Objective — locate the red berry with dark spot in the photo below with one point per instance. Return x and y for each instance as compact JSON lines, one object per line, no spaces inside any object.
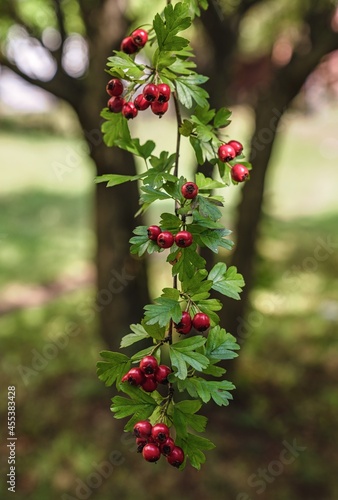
{"x":150,"y":384}
{"x":150,"y":92}
{"x":201,"y":322}
{"x":153,"y":232}
{"x":143,"y":429}
{"x":239,"y":173}
{"x":129,"y":110}
{"x":159,"y":108}
{"x":176,"y":457}
{"x":160,"y":432}
{"x":141,"y":103}
{"x":114,"y":87}
{"x":189,"y":190}
{"x":141,"y":442}
{"x":135,"y":376}
{"x":164,"y":92}
{"x":226,"y":153}
{"x":139,"y":37}
{"x":165,"y":239}
{"x":167,"y":447}
{"x":161,"y":375}
{"x":183,"y":239}
{"x":115,"y":104}
{"x":128,"y":46}
{"x":151,"y":452}
{"x":185,"y":325}
{"x":149,"y":365}
{"x":238,"y":147}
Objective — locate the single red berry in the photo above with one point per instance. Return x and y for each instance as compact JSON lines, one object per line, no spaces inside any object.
{"x":160,"y":432}
{"x":151,"y":452}
{"x":238,"y":147}
{"x":150,"y":92}
{"x":168,"y":446}
{"x":129,"y":110}
{"x":161,"y":375}
{"x":141,"y":442}
{"x":135,"y":376}
{"x":185,"y":325}
{"x":128,"y":46}
{"x":226,"y":153}
{"x":150,"y":384}
{"x":115,"y":104}
{"x":114,"y":87}
{"x":189,"y":190}
{"x":141,"y":103}
{"x":164,"y":92}
{"x":176,"y":457}
{"x":165,"y":239}
{"x":239,"y":173}
{"x":159,"y":108}
{"x":183,"y":239}
{"x":148,"y":365}
{"x":143,"y":429}
{"x":153,"y":232}
{"x":201,"y":322}
{"x":139,"y":37}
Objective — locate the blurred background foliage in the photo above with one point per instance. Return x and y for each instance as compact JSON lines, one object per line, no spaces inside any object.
{"x":51,"y":314}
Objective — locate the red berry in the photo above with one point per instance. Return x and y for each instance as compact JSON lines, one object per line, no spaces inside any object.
{"x":114,"y":87}
{"x":115,"y":104}
{"x":189,"y":190}
{"x":185,"y":325}
{"x":139,"y":37}
{"x":226,"y":153}
{"x":160,"y":432}
{"x":238,"y":147}
{"x":167,"y":447}
{"x":201,"y":322}
{"x":161,"y":375}
{"x":142,"y":429}
{"x":176,"y":457}
{"x":135,"y":376}
{"x":141,"y":442}
{"x":164,"y":92}
{"x":183,"y":239}
{"x":153,"y":232}
{"x":150,"y":92}
{"x":150,"y":384}
{"x":159,"y":108}
{"x":148,"y":365}
{"x":165,"y":239}
{"x":128,"y":46}
{"x":239,"y":173}
{"x":141,"y":103}
{"x":151,"y":452}
{"x":129,"y":110}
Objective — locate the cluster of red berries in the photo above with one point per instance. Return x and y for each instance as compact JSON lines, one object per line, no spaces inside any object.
{"x":148,"y":375}
{"x":229,"y":151}
{"x":200,"y":322}
{"x":155,"y":440}
{"x":155,"y":96}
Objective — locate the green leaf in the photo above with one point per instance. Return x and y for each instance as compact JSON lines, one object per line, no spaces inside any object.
{"x":206,"y":182}
{"x":189,"y":90}
{"x":186,"y":128}
{"x":115,"y":179}
{"x":184,"y":417}
{"x":182,"y":354}
{"x":146,"y":352}
{"x":215,"y":371}
{"x":197,"y":283}
{"x":140,"y":405}
{"x":176,"y":19}
{"x":207,"y":389}
{"x":124,"y":66}
{"x":193,"y":446}
{"x":114,"y":366}
{"x":208,"y":209}
{"x":208,"y":307}
{"x":115,"y":128}
{"x":136,"y":148}
{"x":220,"y":344}
{"x":138,"y":334}
{"x":213,"y":239}
{"x":164,"y":308}
{"x":222,"y":118}
{"x":226,"y":281}
{"x":170,"y":222}
{"x":154,"y":331}
{"x":188,"y":262}
{"x":150,"y":195}
{"x":141,"y":243}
